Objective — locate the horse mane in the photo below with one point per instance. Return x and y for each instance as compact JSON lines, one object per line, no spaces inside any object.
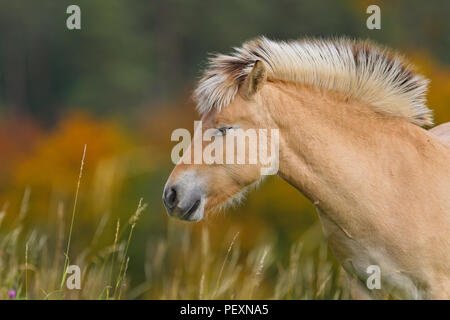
{"x":359,"y":69}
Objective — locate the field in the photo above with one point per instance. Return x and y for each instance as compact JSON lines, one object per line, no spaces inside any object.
{"x":86,"y":118}
{"x":181,"y":265}
{"x":272,"y":247}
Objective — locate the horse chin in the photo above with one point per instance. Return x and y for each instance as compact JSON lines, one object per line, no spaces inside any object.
{"x":231,"y":203}
{"x":197,"y":215}
{"x":237,"y":199}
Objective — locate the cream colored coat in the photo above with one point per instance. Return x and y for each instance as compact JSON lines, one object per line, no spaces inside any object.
{"x":349,"y":116}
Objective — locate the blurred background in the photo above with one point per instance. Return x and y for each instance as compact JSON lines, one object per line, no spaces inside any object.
{"x":121,"y":85}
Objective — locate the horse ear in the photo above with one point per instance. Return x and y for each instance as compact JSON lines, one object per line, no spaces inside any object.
{"x":256,"y":78}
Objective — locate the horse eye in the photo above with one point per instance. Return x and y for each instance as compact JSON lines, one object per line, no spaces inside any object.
{"x":223,"y":130}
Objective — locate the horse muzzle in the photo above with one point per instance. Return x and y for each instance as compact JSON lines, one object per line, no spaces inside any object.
{"x":183,"y":203}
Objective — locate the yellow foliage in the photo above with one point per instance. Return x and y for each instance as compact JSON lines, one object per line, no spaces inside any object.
{"x":439,"y":88}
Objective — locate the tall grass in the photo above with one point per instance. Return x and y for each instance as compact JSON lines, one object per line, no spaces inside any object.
{"x":33,"y":264}
{"x":183,"y":268}
{"x":234,"y":274}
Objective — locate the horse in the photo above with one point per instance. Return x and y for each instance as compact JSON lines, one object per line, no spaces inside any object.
{"x":353,"y":138}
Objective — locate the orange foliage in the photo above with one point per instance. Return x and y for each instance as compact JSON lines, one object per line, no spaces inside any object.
{"x":17,"y":139}
{"x":57,"y":157}
{"x":439,"y":89}
{"x":49,"y":163}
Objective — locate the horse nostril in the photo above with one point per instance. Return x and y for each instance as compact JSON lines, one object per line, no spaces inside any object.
{"x":171,"y":198}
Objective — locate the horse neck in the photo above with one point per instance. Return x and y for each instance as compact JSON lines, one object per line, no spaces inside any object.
{"x":327,"y":144}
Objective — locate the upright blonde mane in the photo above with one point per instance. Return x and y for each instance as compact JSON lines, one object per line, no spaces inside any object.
{"x":358,"y":69}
